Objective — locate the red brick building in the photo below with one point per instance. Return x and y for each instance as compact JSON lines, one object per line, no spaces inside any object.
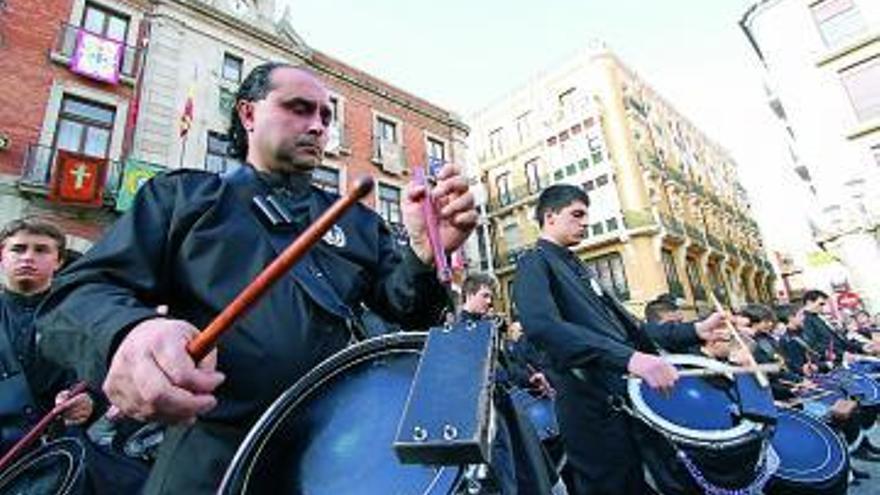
{"x":191,"y":48}
{"x":46,"y":106}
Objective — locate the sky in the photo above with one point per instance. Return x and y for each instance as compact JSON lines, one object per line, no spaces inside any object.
{"x":462,"y":55}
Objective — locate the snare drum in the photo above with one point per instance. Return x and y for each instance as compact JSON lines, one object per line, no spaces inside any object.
{"x":332,"y":432}
{"x":56,"y":468}
{"x":695,"y":441}
{"x":812,"y":458}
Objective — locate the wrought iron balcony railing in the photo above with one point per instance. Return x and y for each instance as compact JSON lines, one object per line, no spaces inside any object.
{"x":65,"y":45}
{"x":39,"y":161}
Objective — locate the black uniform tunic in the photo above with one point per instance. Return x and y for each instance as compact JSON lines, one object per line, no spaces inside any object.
{"x":581,"y":328}
{"x":824,"y":340}
{"x":193,"y":241}
{"x":18,"y":354}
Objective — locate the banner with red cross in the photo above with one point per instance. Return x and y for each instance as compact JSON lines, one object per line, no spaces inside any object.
{"x":78,"y":179}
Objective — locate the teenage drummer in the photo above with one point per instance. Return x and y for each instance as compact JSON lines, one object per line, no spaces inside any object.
{"x":592,"y":342}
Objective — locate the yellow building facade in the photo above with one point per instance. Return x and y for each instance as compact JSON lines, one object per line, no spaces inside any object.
{"x":667,"y":213}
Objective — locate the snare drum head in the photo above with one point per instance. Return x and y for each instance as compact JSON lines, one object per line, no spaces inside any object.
{"x":332,"y":432}
{"x":809,"y":451}
{"x":55,"y":468}
{"x":697,"y":410}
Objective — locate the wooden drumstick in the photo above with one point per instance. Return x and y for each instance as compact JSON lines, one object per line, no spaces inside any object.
{"x":752,"y":362}
{"x":726,"y":370}
{"x":432,"y":225}
{"x":40,"y":427}
{"x":200,"y":346}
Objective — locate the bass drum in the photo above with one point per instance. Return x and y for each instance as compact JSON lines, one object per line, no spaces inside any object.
{"x":332,"y":432}
{"x":56,"y":468}
{"x":812,"y":457}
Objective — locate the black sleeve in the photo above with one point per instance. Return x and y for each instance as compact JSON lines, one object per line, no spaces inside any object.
{"x":676,"y":337}
{"x":120,"y":281}
{"x":569,"y":345}
{"x":404,"y":289}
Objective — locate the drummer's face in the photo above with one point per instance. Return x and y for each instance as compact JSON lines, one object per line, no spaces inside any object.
{"x":568,"y":225}
{"x":288,"y":128}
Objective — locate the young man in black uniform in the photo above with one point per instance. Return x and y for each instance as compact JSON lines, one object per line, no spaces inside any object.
{"x":193,"y":240}
{"x":30,"y":253}
{"x":592,"y":342}
{"x":821,"y":337}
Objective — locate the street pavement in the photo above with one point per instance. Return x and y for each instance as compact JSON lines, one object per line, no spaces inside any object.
{"x":870,"y":486}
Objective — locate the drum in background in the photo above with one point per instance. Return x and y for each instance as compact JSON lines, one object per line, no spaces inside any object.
{"x":55,"y":468}
{"x":693,"y":438}
{"x":812,"y":458}
{"x":541,"y":412}
{"x":332,"y":432}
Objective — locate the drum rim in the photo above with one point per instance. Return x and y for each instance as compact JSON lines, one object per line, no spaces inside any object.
{"x":865,"y":378}
{"x":741,"y":433}
{"x":815,"y":425}
{"x":44,"y":451}
{"x":255,"y":440}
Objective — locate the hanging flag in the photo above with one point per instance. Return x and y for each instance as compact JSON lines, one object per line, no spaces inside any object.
{"x":78,"y":179}
{"x":186,"y":118}
{"x":96,"y":57}
{"x":136,"y":173}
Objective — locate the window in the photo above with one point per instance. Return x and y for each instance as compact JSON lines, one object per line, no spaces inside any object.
{"x":436,"y":150}
{"x":217,"y":157}
{"x":559,"y":174}
{"x":105,"y":22}
{"x":386,"y":130}
{"x":589,"y":186}
{"x":583,"y":164}
{"x":512,"y":237}
{"x":601,"y":180}
{"x":84,"y":127}
{"x":533,"y":179}
{"x":232,"y":68}
{"x":838,"y":21}
{"x":566,"y":101}
{"x":595,"y":145}
{"x":609,"y":272}
{"x":523,"y":129}
{"x":876,"y":152}
{"x":496,"y":147}
{"x":570,"y":169}
{"x":611,"y":224}
{"x":502,"y":185}
{"x":862,"y":83}
{"x":326,"y":178}
{"x":389,"y":204}
{"x":695,"y":279}
{"x":670,"y":268}
{"x":334,"y":107}
{"x":598,"y":228}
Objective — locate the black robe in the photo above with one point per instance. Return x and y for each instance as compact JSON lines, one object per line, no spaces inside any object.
{"x":592,"y":333}
{"x":193,"y":241}
{"x":19,"y":356}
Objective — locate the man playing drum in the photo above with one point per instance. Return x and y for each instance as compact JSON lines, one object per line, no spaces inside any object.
{"x":193,"y":240}
{"x":592,"y":342}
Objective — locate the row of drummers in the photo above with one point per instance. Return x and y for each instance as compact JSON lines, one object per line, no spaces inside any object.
{"x":793,"y":436}
{"x":789,"y":431}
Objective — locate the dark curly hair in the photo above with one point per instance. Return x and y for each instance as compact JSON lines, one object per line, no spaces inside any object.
{"x":255,"y":87}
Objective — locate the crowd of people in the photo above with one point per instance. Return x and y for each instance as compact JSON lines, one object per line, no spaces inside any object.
{"x":120,"y":317}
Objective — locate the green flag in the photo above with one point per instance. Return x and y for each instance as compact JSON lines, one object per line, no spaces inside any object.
{"x":136,"y":173}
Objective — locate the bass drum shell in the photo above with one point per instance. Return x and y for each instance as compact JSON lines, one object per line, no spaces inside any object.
{"x":332,"y":432}
{"x":55,"y":468}
{"x":812,"y":458}
{"x":697,"y":417}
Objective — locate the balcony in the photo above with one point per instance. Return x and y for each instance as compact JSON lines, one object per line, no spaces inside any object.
{"x":695,"y":234}
{"x":389,"y":155}
{"x":714,"y":242}
{"x":634,"y":219}
{"x":672,"y":224}
{"x":39,"y":161}
{"x":509,"y":258}
{"x":65,"y":45}
{"x":516,"y":194}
